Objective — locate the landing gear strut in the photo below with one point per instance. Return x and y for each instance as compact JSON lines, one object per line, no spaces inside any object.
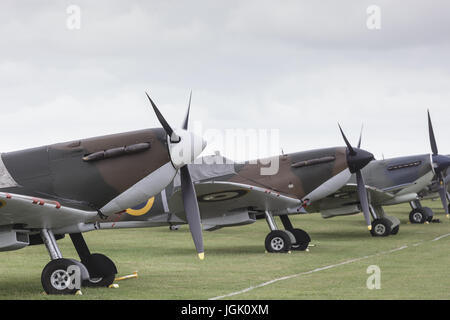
{"x":383,"y":225}
{"x":60,"y":276}
{"x":285,"y":240}
{"x":302,"y":239}
{"x":102,"y":270}
{"x":66,"y":276}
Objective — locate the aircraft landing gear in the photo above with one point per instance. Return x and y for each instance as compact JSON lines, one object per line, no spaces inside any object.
{"x":102,"y":270}
{"x":66,"y":276}
{"x":60,"y":276}
{"x":302,"y":238}
{"x":381,"y":228}
{"x":278,"y":241}
{"x":420,"y":214}
{"x":285,"y":240}
{"x":383,"y":225}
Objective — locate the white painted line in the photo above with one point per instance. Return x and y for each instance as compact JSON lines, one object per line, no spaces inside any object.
{"x":318,"y":269}
{"x":439,"y":238}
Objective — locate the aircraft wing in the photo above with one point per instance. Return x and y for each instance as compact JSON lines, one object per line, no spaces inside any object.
{"x":229,"y":203}
{"x":34,"y":212}
{"x":375,"y":195}
{"x":346,"y":201}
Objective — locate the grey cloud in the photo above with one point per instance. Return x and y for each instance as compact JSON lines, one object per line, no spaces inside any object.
{"x":299,"y":66}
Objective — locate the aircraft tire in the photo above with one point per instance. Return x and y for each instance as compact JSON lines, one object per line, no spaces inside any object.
{"x":302,"y":239}
{"x":101,"y":269}
{"x":381,"y":227}
{"x":395,"y":230}
{"x":278,"y":241}
{"x":429,"y":213}
{"x":57,"y":279}
{"x":105,"y":281}
{"x":418,"y":216}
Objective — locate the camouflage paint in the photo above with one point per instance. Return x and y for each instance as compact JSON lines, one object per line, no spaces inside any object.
{"x":58,"y":172}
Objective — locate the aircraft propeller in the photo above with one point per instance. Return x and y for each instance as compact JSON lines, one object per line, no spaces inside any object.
{"x":440,"y":165}
{"x":187,"y":141}
{"x":357,"y":159}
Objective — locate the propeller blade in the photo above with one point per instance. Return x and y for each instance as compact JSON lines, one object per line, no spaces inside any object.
{"x":186,"y":120}
{"x":447,"y":179}
{"x":192,"y":210}
{"x":433,"y":143}
{"x":360,"y":137}
{"x":443,"y":193}
{"x":164,"y":123}
{"x":363,"y":199}
{"x":349,"y":146}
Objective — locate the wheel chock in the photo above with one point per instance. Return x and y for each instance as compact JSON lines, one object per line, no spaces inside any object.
{"x":131,"y":276}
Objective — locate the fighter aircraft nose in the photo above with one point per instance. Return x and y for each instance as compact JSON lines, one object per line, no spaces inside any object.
{"x":187,"y":149}
{"x":441,"y":162}
{"x":359,"y":159}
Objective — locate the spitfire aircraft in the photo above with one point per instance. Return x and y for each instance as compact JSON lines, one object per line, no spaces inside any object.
{"x":390,"y":182}
{"x":65,"y":188}
{"x":233,"y":194}
{"x":96,"y":183}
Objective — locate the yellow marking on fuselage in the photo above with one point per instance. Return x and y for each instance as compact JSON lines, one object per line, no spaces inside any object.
{"x":142,"y":211}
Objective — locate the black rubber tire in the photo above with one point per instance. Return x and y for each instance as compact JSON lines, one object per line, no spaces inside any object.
{"x":395,"y":230}
{"x":51,"y":270}
{"x":101,"y":269}
{"x":418,"y":216}
{"x":381,"y":228}
{"x":429,"y":213}
{"x":302,"y":239}
{"x":278,"y":241}
{"x":105,"y":281}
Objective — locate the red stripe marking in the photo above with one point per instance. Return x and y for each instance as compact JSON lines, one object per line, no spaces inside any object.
{"x":118,"y":218}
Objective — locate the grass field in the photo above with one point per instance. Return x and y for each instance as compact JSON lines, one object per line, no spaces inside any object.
{"x":236,"y":259}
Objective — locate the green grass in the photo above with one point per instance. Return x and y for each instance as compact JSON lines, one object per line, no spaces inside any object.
{"x":236,"y":259}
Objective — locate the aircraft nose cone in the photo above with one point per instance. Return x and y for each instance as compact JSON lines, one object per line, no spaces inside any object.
{"x":187,"y":149}
{"x":359,"y":160}
{"x":441,"y":162}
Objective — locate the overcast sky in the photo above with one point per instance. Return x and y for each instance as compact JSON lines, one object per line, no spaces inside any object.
{"x":296,"y":66}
